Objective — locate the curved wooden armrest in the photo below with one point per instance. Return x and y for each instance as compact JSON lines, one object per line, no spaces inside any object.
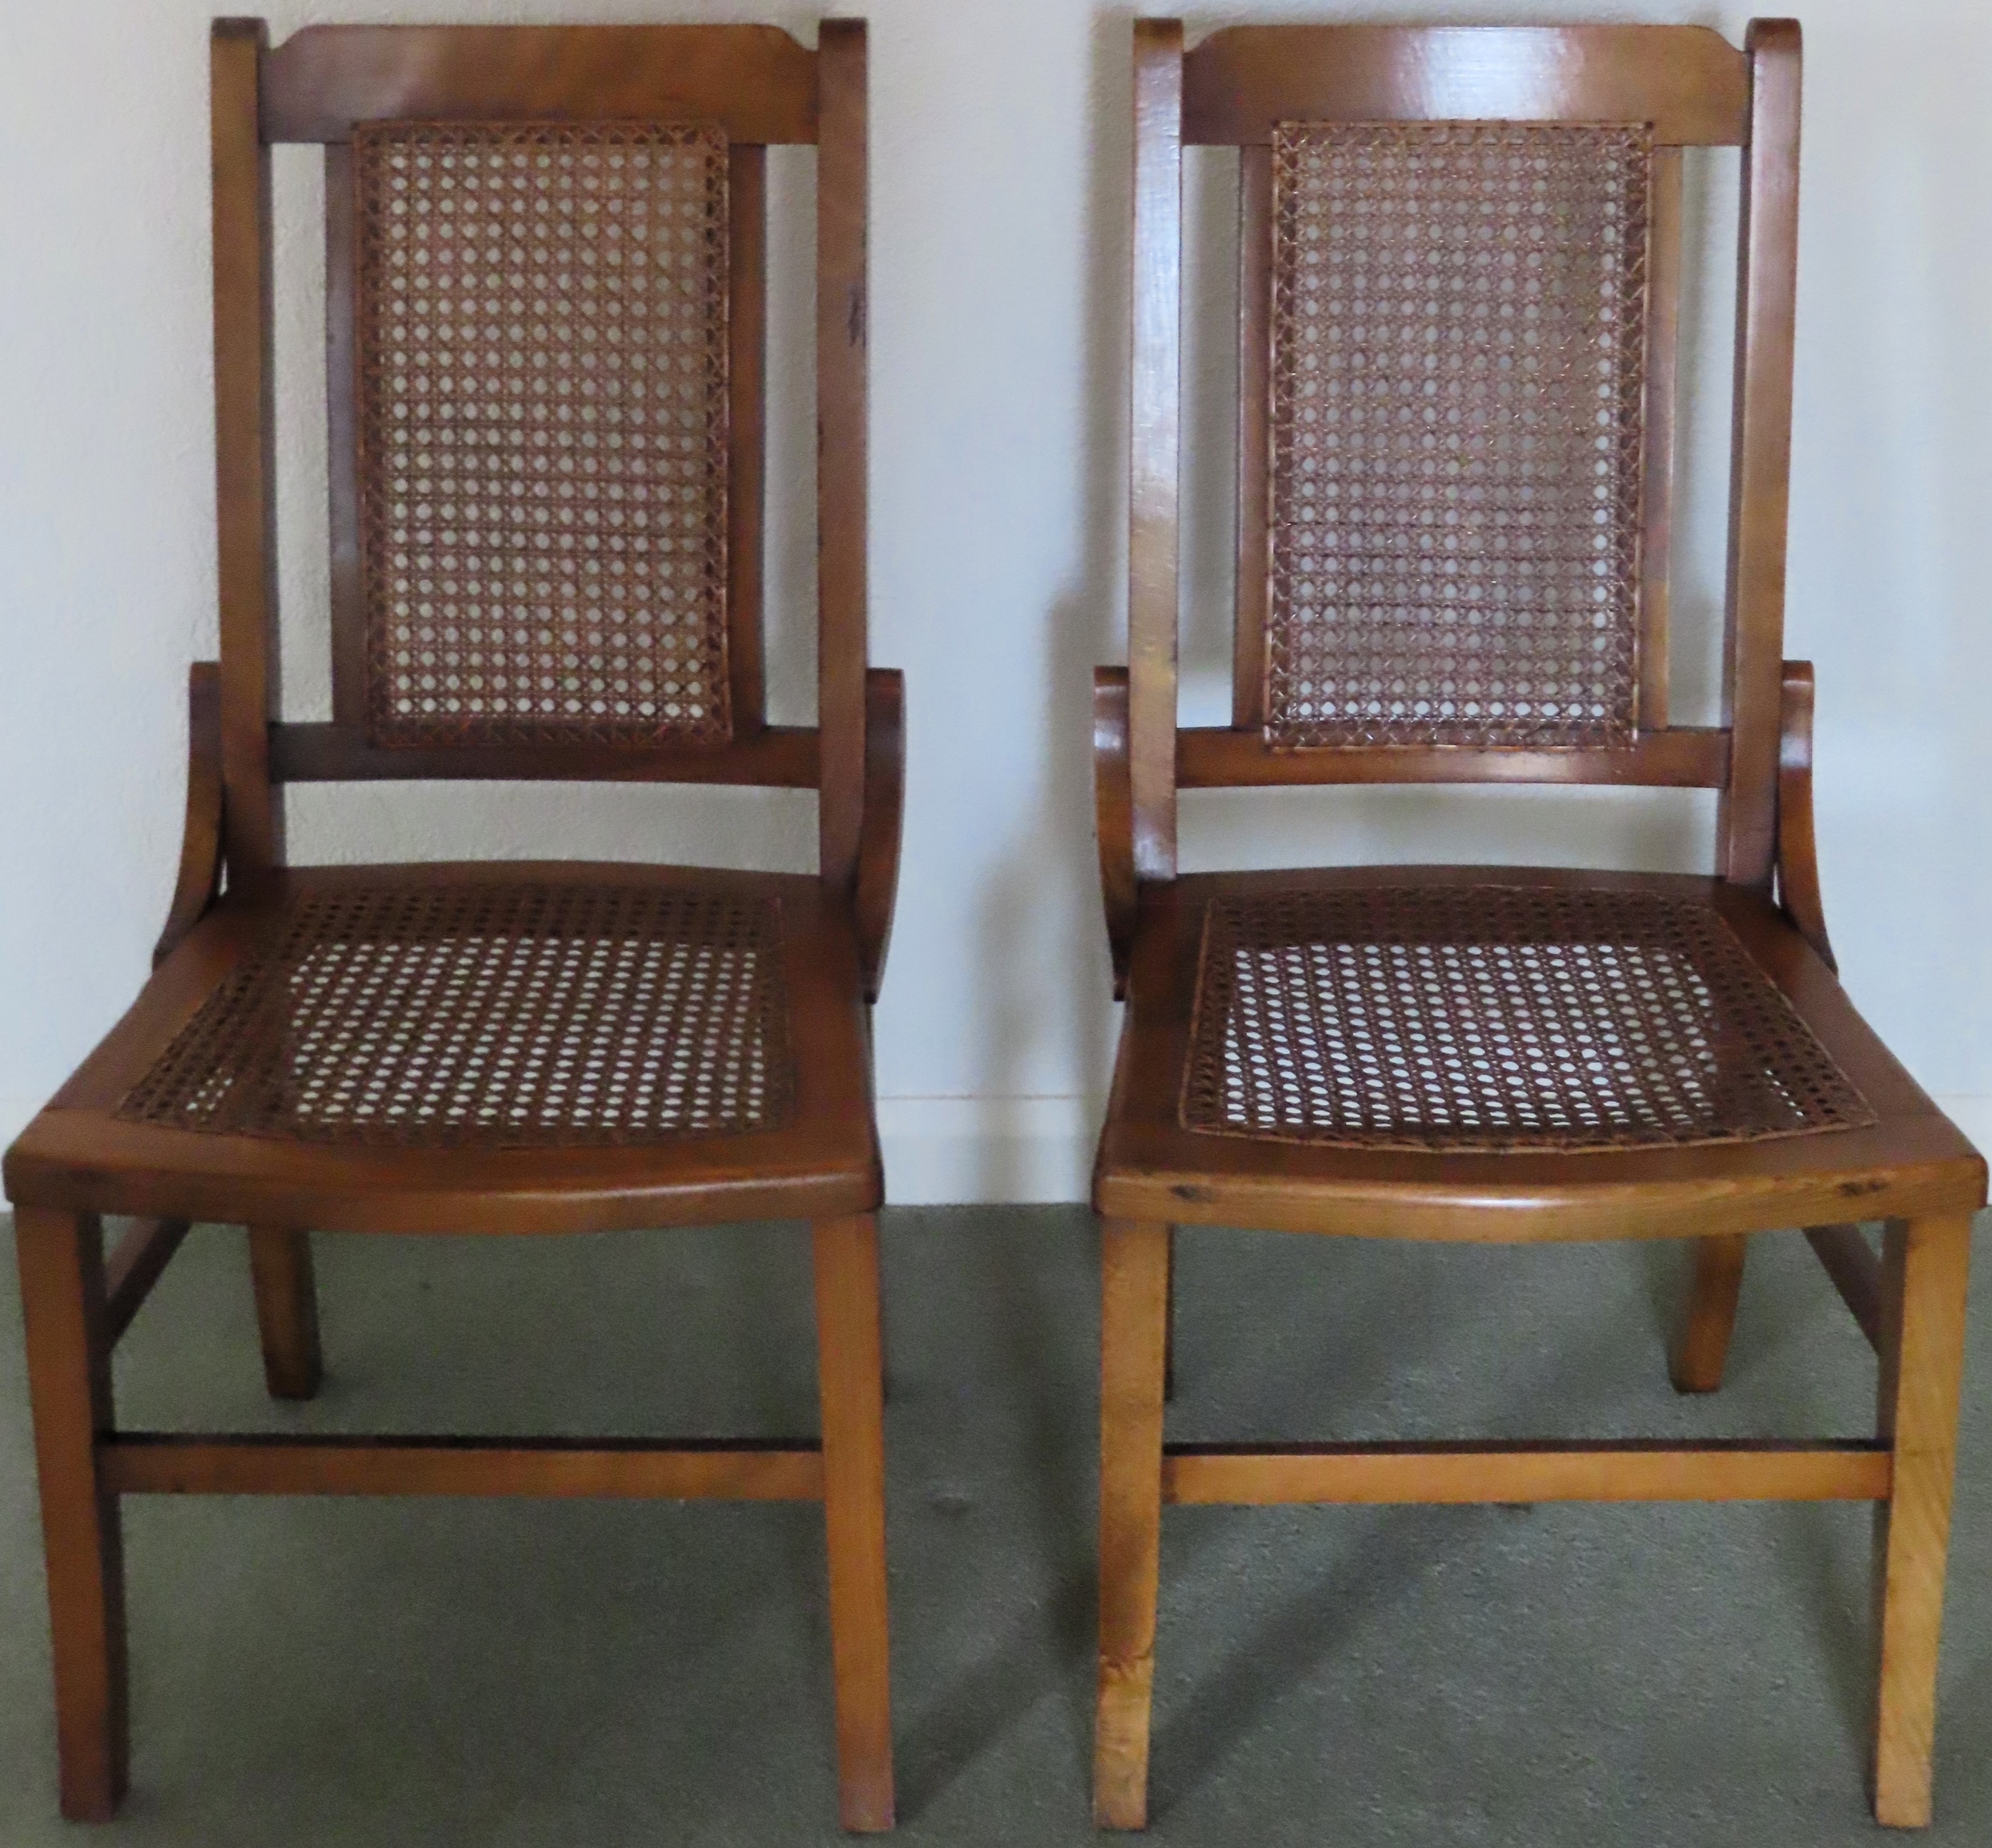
{"x":1798,"y":856}
{"x":1114,"y":817}
{"x":200,"y":880}
{"x":879,"y":826}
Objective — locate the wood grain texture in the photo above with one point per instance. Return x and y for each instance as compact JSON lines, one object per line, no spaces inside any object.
{"x":286,"y":1310}
{"x":245,"y":448}
{"x":1849,"y":1260}
{"x":1761,"y":453}
{"x":756,"y":81}
{"x":842,"y":343}
{"x":1253,"y":575}
{"x":1926,"y":1265}
{"x":775,"y":757}
{"x":1688,"y":82}
{"x":1525,"y":1472}
{"x":1657,"y":474}
{"x":851,"y":1365}
{"x":345,"y":580}
{"x":747,"y":432}
{"x":1212,"y":757}
{"x":175,"y":1463}
{"x":1113,"y":818}
{"x":199,"y":879}
{"x":1701,"y":1349}
{"x":63,"y":1305}
{"x":137,"y":1262}
{"x":1134,"y":1283}
{"x":1798,"y":892}
{"x":1154,"y":439}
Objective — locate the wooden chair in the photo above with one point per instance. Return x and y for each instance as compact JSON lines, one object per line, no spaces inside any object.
{"x":546,"y":258}
{"x":1459,"y":278}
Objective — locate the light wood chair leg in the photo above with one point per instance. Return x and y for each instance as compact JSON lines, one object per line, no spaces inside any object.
{"x":62,"y":1295}
{"x":1134,"y":1318}
{"x":1925,"y":1267}
{"x":286,"y":1310}
{"x":851,"y":1372}
{"x":1703,"y":1349}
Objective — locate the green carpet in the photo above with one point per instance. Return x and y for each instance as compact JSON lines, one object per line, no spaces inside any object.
{"x":504,"y":1672}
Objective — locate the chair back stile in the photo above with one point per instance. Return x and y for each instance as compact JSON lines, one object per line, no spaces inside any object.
{"x":1459,"y":281}
{"x":546,"y":320}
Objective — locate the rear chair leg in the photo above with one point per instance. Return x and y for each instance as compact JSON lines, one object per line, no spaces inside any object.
{"x":62,"y":1296}
{"x":849,"y":1361}
{"x":1703,"y":1348}
{"x":1925,"y":1267}
{"x":286,"y":1310}
{"x":1134,"y":1318}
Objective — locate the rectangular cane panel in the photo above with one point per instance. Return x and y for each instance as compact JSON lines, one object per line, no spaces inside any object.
{"x":1458,"y":347}
{"x":541,"y":348}
{"x":1489,"y":1017}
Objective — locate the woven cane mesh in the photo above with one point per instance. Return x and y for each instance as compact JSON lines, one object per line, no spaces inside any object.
{"x":533,"y":1015}
{"x":1497,"y":1018}
{"x":540,"y":326}
{"x":1456,"y":428}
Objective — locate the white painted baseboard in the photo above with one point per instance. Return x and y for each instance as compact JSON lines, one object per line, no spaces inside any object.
{"x":996,"y":1151}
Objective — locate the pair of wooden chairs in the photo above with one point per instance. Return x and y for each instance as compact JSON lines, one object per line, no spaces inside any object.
{"x":1460,"y":263}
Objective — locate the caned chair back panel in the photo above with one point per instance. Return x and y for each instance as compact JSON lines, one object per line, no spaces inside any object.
{"x":1460,"y":261}
{"x":545,"y":280}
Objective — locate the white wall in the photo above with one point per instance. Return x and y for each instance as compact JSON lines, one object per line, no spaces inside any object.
{"x":999,"y":202}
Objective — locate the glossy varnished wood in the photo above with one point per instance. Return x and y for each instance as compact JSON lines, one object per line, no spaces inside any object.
{"x":62,"y":1301}
{"x":1849,"y":1260}
{"x":1154,"y":438}
{"x":244,"y":446}
{"x":843,"y":313}
{"x":286,"y":1287}
{"x":172,"y":1463}
{"x":757,"y":81}
{"x":1213,"y":757}
{"x":1664,"y":256}
{"x":774,"y":757}
{"x":137,"y":1262}
{"x":1514,"y":1473}
{"x":199,"y":881}
{"x":1133,"y":1265}
{"x":746,"y":431}
{"x":1797,"y":851}
{"x":1251,"y":597}
{"x":1701,"y":1349}
{"x":1926,"y":1272}
{"x":850,"y":1360}
{"x":1760,"y":461}
{"x":1688,"y":82}
{"x":1113,"y":818}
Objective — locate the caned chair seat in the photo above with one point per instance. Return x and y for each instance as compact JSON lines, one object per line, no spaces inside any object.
{"x":357,"y":1044}
{"x":1540,"y":1041}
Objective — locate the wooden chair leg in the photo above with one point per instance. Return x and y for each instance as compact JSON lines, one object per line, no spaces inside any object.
{"x":1134,"y":1316}
{"x":851,"y":1373}
{"x":1925,"y":1267}
{"x":1169,"y":1328}
{"x":62,"y":1295}
{"x":286,"y":1310}
{"x":1703,"y":1348}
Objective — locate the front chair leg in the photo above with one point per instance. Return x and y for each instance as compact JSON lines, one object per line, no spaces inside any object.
{"x":850,"y":1360}
{"x":1925,"y":1267}
{"x":286,"y":1310}
{"x":62,"y":1298}
{"x":1134,"y":1317}
{"x":1703,"y":1348}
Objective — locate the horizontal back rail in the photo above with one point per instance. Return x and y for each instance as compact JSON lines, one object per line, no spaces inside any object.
{"x":773,"y":756}
{"x":1214,"y":757}
{"x":1688,"y":81}
{"x":756,"y":81}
